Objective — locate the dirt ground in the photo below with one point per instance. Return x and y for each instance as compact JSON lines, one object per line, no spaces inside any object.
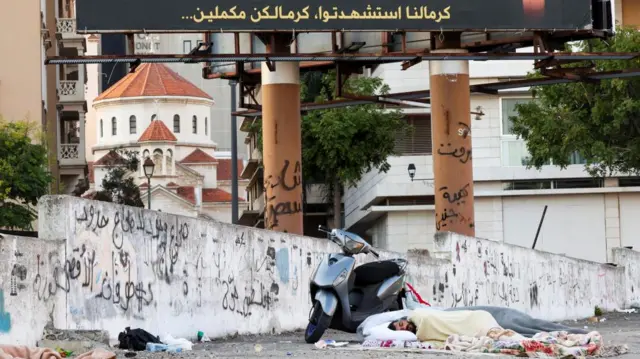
{"x":618,"y":328}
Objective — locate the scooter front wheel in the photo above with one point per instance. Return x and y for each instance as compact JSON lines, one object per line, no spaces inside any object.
{"x":318,"y":323}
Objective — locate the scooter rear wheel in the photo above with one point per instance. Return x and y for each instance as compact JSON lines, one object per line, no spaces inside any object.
{"x":318,"y":323}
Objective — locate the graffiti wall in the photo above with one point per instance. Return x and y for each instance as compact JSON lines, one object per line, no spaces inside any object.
{"x":166,"y":273}
{"x":545,"y":285}
{"x":104,"y":266}
{"x":28,"y":298}
{"x":630,"y":260}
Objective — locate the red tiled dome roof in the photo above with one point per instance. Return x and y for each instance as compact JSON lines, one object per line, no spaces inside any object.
{"x":157,"y":131}
{"x":199,"y":156}
{"x":150,"y":80}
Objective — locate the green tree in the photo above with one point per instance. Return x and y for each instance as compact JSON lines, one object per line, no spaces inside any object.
{"x":118,"y":186}
{"x":340,"y":145}
{"x":600,"y":121}
{"x":23,"y":174}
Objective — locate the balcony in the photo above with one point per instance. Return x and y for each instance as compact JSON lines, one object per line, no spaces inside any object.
{"x":69,"y":153}
{"x":71,"y":150}
{"x":67,"y":29}
{"x":71,"y":91}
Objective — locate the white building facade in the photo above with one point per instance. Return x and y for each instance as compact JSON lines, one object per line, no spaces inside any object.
{"x":162,"y":116}
{"x":585,"y":217}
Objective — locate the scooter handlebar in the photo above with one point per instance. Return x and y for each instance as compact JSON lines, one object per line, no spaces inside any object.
{"x":324,"y":229}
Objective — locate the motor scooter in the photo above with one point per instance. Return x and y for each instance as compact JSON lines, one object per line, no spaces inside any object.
{"x":343,"y":295}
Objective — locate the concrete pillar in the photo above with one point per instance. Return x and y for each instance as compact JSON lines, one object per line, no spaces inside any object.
{"x":281,"y":134}
{"x":451,"y":131}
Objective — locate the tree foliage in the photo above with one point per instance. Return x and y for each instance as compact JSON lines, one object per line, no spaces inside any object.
{"x":118,"y":186}
{"x":340,"y":145}
{"x":600,"y":121}
{"x":24,"y":177}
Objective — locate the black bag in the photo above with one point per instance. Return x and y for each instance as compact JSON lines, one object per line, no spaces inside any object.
{"x":136,"y":339}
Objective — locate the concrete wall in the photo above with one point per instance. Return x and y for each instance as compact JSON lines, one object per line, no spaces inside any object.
{"x":629,"y":259}
{"x":122,"y":266}
{"x":29,"y":294}
{"x":543,"y":284}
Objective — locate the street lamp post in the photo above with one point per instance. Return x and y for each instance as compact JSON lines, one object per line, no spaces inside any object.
{"x":148,"y":167}
{"x":412,"y":174}
{"x":412,"y":171}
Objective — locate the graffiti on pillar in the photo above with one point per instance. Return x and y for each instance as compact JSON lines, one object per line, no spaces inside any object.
{"x":448,"y":216}
{"x":456,"y":197}
{"x":462,"y":154}
{"x":463,"y":130}
{"x":288,"y":180}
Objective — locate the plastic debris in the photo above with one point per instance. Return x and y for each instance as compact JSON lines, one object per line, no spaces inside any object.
{"x":181,"y":343}
{"x":258,"y":348}
{"x":629,"y":311}
{"x":202,"y":337}
{"x":321,"y":344}
{"x":157,"y":347}
{"x":64,"y":353}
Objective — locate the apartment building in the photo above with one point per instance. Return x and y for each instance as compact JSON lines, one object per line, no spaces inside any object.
{"x":72,"y":105}
{"x":52,"y":96}
{"x":585,"y":217}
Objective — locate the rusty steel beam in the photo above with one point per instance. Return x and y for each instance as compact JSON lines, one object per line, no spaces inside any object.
{"x":357,"y":57}
{"x":420,"y":96}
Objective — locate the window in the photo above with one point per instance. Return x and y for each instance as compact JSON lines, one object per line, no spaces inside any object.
{"x":153,"y":117}
{"x":186,"y":46}
{"x":206,"y":125}
{"x":132,"y":124}
{"x":418,"y":139}
{"x":514,"y":150}
{"x":195,"y":124}
{"x":508,"y":111}
{"x":114,"y":126}
{"x":176,"y":123}
{"x":101,"y":128}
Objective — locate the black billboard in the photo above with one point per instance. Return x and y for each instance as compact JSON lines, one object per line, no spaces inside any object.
{"x":100,"y":16}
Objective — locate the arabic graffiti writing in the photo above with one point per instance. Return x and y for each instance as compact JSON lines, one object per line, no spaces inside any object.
{"x":460,"y":153}
{"x":322,"y":14}
{"x":278,"y":202}
{"x":457,"y":196}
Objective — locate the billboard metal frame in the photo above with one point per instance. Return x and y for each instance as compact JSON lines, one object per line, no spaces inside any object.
{"x":356,"y":57}
{"x":493,"y":88}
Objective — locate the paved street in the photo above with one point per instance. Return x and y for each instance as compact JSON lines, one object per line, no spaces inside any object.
{"x":618,"y":328}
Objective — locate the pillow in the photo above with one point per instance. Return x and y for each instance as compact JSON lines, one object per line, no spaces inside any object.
{"x":373,"y":321}
{"x":382,"y":332}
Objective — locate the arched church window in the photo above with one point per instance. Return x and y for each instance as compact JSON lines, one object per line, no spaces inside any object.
{"x":195,"y":124}
{"x":176,"y":123}
{"x":206,"y":125}
{"x":153,"y":117}
{"x":132,"y":124}
{"x":114,"y":126}
{"x":101,"y":128}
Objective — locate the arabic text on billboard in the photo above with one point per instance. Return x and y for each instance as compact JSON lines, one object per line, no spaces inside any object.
{"x":319,"y":15}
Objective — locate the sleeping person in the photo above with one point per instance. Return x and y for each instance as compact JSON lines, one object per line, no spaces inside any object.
{"x":437,"y":325}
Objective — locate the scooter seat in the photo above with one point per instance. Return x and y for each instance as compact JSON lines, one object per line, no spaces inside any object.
{"x":375,"y":272}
